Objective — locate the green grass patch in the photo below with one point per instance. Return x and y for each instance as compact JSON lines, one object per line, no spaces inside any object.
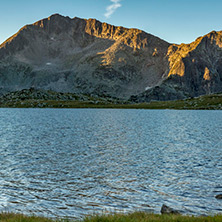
{"x":212,"y":102}
{"x":10,"y":217}
{"x":133,"y":217}
{"x":145,"y":217}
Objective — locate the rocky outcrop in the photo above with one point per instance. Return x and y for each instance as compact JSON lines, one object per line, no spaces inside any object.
{"x":219,"y":196}
{"x":86,"y":56}
{"x":168,"y":210}
{"x":194,"y":69}
{"x":33,"y":96}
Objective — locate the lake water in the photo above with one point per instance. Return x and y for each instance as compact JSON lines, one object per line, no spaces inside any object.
{"x":75,"y":162}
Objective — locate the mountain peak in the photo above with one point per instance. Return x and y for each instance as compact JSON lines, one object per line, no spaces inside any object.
{"x":56,"y":15}
{"x":57,"y":24}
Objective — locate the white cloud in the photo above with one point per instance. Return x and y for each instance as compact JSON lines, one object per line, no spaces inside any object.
{"x":112,"y":8}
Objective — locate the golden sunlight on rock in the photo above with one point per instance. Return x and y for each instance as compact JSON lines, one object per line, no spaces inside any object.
{"x":155,"y":52}
{"x":178,"y":68}
{"x":122,"y":60}
{"x":206,"y":74}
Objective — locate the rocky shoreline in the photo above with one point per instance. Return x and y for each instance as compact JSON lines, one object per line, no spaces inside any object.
{"x":38,"y":98}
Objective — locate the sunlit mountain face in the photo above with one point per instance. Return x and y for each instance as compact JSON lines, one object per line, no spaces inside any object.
{"x":86,"y":56}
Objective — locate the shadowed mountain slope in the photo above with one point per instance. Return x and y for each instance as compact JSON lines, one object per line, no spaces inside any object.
{"x":86,"y":56}
{"x":82,"y":56}
{"x":194,"y":69}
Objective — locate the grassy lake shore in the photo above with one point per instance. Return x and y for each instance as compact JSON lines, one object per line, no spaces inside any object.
{"x":133,"y":217}
{"x":209,"y":102}
{"x":34,"y":98}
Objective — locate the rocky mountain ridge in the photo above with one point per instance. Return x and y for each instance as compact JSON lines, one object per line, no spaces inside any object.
{"x":86,"y":56}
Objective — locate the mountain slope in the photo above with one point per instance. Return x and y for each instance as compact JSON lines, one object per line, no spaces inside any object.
{"x":86,"y":56}
{"x":82,"y":56}
{"x":194,"y":69}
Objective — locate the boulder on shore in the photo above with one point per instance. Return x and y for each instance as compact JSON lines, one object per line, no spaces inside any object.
{"x":168,"y":210}
{"x":219,"y":197}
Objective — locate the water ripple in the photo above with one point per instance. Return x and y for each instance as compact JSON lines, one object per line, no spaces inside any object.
{"x":77,"y":162}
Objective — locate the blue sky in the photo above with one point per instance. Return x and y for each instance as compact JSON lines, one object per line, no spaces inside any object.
{"x":175,"y":21}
